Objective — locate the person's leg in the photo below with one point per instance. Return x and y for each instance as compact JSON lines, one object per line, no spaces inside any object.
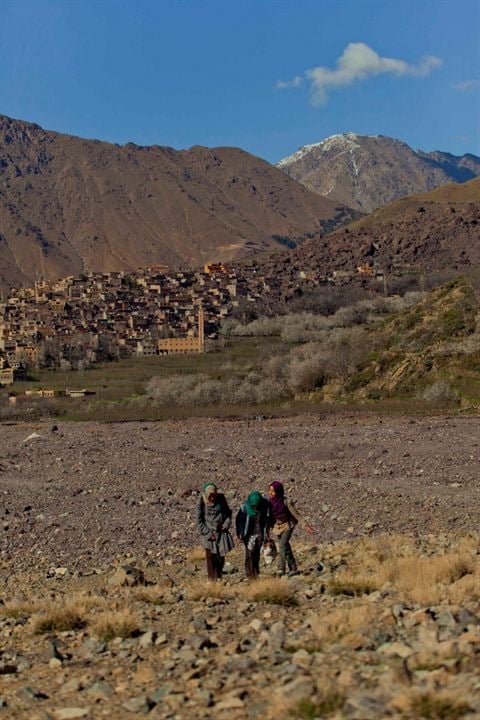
{"x":248,"y":563}
{"x":287,"y":550}
{"x":256,"y":559}
{"x":220,"y":564}
{"x":283,"y":546}
{"x":289,"y":556}
{"x":211,"y":571}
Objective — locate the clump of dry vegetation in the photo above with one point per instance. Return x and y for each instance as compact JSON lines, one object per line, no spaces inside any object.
{"x":60,"y":617}
{"x":112,"y":624}
{"x":335,"y":625}
{"x":437,"y":706}
{"x":271,"y":590}
{"x":209,"y":589}
{"x":395,"y":563}
{"x":17,"y":608}
{"x":328,"y":704}
{"x":353,"y":583}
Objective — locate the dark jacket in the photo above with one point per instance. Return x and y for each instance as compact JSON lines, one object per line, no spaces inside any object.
{"x":211,"y":520}
{"x":244,"y":525}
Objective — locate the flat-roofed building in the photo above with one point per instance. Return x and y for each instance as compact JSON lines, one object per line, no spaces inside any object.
{"x":184,"y":345}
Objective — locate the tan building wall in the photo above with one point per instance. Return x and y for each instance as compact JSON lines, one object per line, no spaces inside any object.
{"x":184,"y":345}
{"x":6,"y":376}
{"x":179,"y":345}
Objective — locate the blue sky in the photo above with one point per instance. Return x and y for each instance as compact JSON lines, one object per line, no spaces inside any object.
{"x":264,"y":75}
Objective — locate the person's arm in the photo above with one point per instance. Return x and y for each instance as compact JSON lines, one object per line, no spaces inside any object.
{"x":299,"y":517}
{"x":269,"y":522}
{"x":240,"y":524}
{"x":226,"y":513}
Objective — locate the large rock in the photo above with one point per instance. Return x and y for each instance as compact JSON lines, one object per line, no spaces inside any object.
{"x":127,"y":576}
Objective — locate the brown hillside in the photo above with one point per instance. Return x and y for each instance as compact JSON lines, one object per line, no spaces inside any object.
{"x":432,"y":231}
{"x":69,"y":205}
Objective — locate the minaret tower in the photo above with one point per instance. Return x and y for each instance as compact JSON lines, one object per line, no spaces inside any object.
{"x":201,"y":330}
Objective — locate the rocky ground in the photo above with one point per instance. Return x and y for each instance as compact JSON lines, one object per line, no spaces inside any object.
{"x":81,"y":494}
{"x":384,"y":620}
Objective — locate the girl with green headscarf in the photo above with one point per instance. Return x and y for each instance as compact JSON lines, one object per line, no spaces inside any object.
{"x":252,"y":523}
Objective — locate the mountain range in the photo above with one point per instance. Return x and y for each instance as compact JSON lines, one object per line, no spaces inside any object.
{"x":367,"y":172}
{"x":68,"y":205}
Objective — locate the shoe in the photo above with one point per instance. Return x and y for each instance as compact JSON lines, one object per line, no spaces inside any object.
{"x":292,"y":573}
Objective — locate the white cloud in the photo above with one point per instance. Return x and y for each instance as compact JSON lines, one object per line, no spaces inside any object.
{"x":295,"y":82}
{"x":357,"y":62}
{"x":466,"y":85}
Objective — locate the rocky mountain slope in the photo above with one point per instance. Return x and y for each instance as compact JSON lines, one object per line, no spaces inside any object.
{"x":69,"y":205}
{"x":439,"y":230}
{"x":366,"y":172}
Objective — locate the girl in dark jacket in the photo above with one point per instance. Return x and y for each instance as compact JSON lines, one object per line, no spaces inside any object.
{"x":252,"y":522}
{"x":213,"y":523}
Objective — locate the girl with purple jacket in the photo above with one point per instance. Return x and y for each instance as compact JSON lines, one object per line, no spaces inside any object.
{"x":284,"y":517}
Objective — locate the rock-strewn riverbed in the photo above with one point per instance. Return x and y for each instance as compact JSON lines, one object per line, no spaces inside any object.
{"x":378,"y":625}
{"x":83,"y":494}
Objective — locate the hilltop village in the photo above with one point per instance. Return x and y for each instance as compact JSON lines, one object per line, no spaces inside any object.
{"x":76,"y":321}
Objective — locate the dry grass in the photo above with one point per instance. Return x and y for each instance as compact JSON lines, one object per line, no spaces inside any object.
{"x":436,"y":706}
{"x":69,"y":615}
{"x":335,"y":625}
{"x":353,"y":584}
{"x":196,"y":555}
{"x":271,"y":590}
{"x":426,"y":580}
{"x":17,"y":608}
{"x":327,"y":705}
{"x":116,"y":624}
{"x":422,"y":576}
{"x":152,"y":594}
{"x":209,"y":589}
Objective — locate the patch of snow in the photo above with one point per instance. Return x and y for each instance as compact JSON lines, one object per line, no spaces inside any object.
{"x":343,"y":142}
{"x":327,"y":192}
{"x":354,"y":164}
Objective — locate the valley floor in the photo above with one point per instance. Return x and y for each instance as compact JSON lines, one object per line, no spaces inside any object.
{"x":84,"y":493}
{"x":383,"y":621}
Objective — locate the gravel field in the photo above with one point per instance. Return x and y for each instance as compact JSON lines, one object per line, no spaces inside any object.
{"x":78,"y":495}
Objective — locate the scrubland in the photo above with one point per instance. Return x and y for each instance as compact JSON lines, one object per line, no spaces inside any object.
{"x":419,"y":352}
{"x":385,"y":626}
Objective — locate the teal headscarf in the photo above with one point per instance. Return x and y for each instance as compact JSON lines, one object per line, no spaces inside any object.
{"x":207,"y":489}
{"x":253,"y":503}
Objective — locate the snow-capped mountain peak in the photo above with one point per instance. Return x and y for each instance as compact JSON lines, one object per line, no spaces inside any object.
{"x":340,"y":142}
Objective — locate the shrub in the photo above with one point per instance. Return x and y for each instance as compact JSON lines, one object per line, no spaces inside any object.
{"x":439,"y":393}
{"x":353,"y":584}
{"x":437,"y":706}
{"x":119,"y":623}
{"x":207,"y":589}
{"x":60,"y":618}
{"x":306,"y":375}
{"x":332,"y":627}
{"x":271,"y":590}
{"x":330,"y":702}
